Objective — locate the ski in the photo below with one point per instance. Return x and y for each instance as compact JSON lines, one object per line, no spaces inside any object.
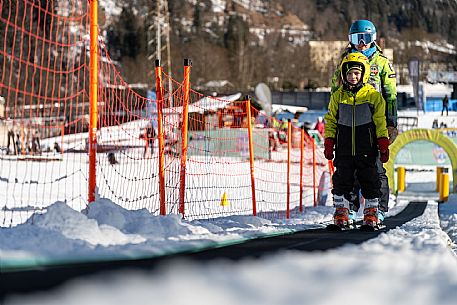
{"x":336,"y":228}
{"x":371,"y":228}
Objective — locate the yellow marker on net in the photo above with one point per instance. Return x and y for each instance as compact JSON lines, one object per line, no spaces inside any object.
{"x":224,"y":201}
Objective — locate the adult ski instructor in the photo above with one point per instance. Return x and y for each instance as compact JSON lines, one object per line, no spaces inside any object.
{"x":362,"y":38}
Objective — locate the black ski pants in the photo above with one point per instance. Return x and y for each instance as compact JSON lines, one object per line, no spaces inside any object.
{"x":367,"y":176}
{"x":385,"y":191}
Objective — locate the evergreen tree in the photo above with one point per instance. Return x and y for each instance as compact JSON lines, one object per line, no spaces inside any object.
{"x":128,"y":32}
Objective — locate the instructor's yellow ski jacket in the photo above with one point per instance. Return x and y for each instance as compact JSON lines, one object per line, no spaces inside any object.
{"x":382,"y":78}
{"x":356,"y":121}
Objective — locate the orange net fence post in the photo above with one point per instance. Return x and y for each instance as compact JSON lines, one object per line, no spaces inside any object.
{"x":184,"y":129}
{"x":161,"y":136}
{"x":93,"y":98}
{"x":302,"y":161}
{"x":314,"y":172}
{"x":289,"y":147}
{"x":251,"y":156}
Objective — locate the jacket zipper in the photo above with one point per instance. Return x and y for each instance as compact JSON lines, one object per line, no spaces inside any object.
{"x":353,"y":128}
{"x":337,"y":137}
{"x":371,"y":137}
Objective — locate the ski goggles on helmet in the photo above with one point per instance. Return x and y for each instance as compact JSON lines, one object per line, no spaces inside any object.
{"x":362,"y":38}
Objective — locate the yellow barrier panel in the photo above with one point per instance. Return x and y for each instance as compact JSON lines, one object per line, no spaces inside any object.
{"x":439,"y":170}
{"x":444,"y":187}
{"x":401,"y":172}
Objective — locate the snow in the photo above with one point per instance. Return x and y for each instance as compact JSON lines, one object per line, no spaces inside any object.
{"x":218,"y":6}
{"x":426,"y":120}
{"x":430,"y":90}
{"x":412,"y":263}
{"x":415,"y":262}
{"x":427,"y":46}
{"x":111,"y":8}
{"x":443,"y":47}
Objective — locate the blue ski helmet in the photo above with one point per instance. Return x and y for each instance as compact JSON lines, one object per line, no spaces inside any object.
{"x":362,"y":32}
{"x":362,"y":26}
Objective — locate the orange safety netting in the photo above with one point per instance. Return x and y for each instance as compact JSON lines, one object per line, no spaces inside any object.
{"x":45,"y":123}
{"x":43,"y":85}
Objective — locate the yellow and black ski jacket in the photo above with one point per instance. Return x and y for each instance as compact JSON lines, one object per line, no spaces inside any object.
{"x":356,"y":121}
{"x":382,"y":78}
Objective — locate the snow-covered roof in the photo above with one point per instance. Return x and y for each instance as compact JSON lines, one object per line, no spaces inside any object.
{"x":218,"y":84}
{"x":206,"y":104}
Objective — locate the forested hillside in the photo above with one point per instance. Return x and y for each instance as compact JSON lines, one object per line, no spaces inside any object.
{"x":251,"y":41}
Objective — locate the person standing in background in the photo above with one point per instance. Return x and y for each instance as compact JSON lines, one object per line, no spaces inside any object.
{"x":11,"y":141}
{"x":149,"y":136}
{"x":320,"y":126}
{"x":445,"y":105}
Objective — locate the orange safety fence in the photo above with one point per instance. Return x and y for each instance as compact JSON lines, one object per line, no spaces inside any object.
{"x":227,"y":161}
{"x":43,"y":87}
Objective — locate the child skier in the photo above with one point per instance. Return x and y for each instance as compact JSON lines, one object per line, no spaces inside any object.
{"x":356,"y":128}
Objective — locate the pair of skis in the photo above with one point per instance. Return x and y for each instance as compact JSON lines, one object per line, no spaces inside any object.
{"x":365,"y":228}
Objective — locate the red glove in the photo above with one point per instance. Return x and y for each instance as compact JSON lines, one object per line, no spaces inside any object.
{"x":328,"y":148}
{"x":383,"y":144}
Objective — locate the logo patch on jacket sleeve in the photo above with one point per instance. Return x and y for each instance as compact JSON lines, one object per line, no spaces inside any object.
{"x":374,"y":70}
{"x":392,"y":75}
